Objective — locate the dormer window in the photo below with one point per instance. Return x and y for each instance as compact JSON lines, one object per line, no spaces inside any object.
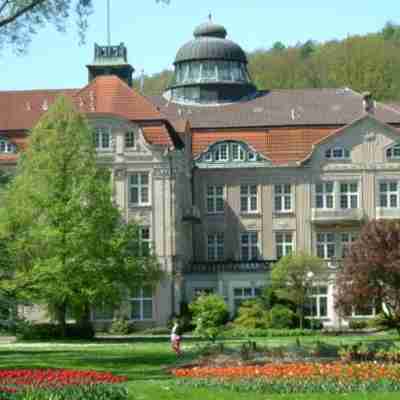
{"x":393,"y":153}
{"x":102,"y":138}
{"x":337,"y":153}
{"x":230,"y":151}
{"x":130,"y":140}
{"x":7,"y":147}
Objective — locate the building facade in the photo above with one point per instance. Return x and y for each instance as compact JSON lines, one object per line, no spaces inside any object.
{"x":224,"y":179}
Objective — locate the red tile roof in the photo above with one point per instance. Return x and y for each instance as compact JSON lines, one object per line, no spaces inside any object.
{"x":280,"y":145}
{"x":157,"y":135}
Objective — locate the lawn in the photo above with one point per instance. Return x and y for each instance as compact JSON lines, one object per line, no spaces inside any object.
{"x":145,"y":362}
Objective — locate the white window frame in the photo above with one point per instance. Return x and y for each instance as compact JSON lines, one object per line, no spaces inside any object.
{"x":326,"y":245}
{"x":346,"y":240}
{"x":130,"y":139}
{"x":140,"y":187}
{"x":141,"y":299}
{"x":221,"y":152}
{"x":215,"y":246}
{"x":316,"y":296}
{"x":332,"y":153}
{"x":241,"y":152}
{"x":249,"y":198}
{"x":6,"y":147}
{"x":253,"y":248}
{"x":349,"y":195}
{"x":389,"y":193}
{"x":100,"y":133}
{"x":324,"y":194}
{"x":390,"y":152}
{"x":215,"y":198}
{"x":281,"y":194}
{"x":284,"y":243}
{"x":251,"y":156}
{"x":145,"y":240}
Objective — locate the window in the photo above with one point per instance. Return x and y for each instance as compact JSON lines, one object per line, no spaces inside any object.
{"x":347,"y":239}
{"x":367,"y":310}
{"x":145,"y":241}
{"x":326,"y":245}
{"x":221,"y":152}
{"x":324,"y":195}
{"x":284,"y":244}
{"x":349,"y":195}
{"x":249,"y":246}
{"x":248,"y":198}
{"x":242,"y":294}
{"x":237,"y":152}
{"x":103,"y":312}
{"x":215,"y":199}
{"x":7,"y":147}
{"x":215,"y":246}
{"x":103,"y":138}
{"x":202,"y":291}
{"x":389,"y":194}
{"x":393,"y":152}
{"x":337,"y":153}
{"x":283,"y":198}
{"x":139,"y":189}
{"x":142,"y":303}
{"x":317,"y":302}
{"x":251,"y":156}
{"x":208,"y":156}
{"x":130,"y":139}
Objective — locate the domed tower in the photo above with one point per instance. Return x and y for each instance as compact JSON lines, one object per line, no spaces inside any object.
{"x":210,"y":69}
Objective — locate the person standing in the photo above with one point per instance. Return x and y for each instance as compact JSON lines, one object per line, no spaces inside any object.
{"x":176,"y":339}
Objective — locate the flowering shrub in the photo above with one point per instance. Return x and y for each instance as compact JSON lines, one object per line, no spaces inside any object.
{"x":38,"y":384}
{"x":297,"y":377}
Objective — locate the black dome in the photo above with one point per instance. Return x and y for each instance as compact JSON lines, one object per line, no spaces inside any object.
{"x":210,"y":29}
{"x":210,"y":48}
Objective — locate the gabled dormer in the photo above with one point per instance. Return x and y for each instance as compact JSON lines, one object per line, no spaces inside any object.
{"x":232,"y":153}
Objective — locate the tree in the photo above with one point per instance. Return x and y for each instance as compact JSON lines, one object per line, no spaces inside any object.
{"x":210,"y":312}
{"x":20,"y":19}
{"x":371,"y":271}
{"x":66,"y":238}
{"x":293,"y":276}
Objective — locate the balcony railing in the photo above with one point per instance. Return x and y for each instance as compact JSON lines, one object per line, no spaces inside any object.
{"x":228,"y":266}
{"x":389,"y":213}
{"x":326,"y":216}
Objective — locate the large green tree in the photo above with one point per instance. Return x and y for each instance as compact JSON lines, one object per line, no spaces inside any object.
{"x":67,"y":239}
{"x":293,"y":276}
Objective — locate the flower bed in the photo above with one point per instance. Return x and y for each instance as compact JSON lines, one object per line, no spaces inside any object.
{"x":297,"y":377}
{"x":38,"y":384}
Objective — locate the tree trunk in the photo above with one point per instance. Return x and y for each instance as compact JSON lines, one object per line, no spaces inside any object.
{"x":61,"y":314}
{"x":301,"y":317}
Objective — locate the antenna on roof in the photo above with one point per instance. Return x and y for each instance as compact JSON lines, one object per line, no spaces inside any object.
{"x":108,"y":23}
{"x":142,"y":81}
{"x":210,"y":17}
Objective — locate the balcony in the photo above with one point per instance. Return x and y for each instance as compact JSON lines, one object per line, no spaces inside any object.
{"x":211,"y":267}
{"x":191,"y":214}
{"x":388,"y":213}
{"x":333,"y":216}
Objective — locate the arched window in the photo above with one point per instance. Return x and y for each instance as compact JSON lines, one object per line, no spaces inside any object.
{"x":393,"y":153}
{"x":6,"y":146}
{"x":337,"y":153}
{"x":230,"y":151}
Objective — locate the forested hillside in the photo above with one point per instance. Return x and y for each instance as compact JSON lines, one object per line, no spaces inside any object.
{"x":364,"y":63}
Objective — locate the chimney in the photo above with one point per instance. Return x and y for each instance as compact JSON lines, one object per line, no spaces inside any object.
{"x":368,"y":103}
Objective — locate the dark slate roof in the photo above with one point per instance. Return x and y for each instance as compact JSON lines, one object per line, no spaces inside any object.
{"x":280,"y":108}
{"x":210,"y":48}
{"x":210,"y":29}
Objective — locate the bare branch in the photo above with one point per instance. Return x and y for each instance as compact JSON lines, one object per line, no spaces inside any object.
{"x":29,"y":7}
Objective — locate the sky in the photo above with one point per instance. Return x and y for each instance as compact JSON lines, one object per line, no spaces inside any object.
{"x":153,"y":32}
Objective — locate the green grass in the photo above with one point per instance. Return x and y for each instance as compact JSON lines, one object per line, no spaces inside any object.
{"x":146,"y":364}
